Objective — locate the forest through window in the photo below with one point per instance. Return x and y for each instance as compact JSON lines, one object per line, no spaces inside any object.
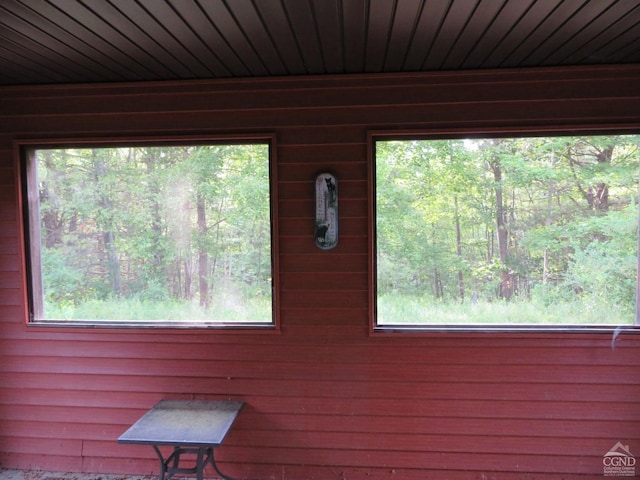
{"x":507,"y":231}
{"x":150,"y":233}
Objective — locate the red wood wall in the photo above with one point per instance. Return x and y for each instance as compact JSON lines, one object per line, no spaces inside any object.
{"x":326,"y":399}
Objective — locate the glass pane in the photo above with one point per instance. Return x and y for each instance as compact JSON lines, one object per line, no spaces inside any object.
{"x":152,"y":233}
{"x":507,"y":230}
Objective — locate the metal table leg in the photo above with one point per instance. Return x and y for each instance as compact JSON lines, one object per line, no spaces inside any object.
{"x":171,"y":465}
{"x":215,"y":467}
{"x":163,"y":465}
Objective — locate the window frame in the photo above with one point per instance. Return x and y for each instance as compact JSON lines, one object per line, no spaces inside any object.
{"x":374,"y":136}
{"x":24,"y":151}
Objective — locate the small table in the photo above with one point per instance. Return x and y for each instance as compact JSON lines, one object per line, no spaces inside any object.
{"x":190,"y":427}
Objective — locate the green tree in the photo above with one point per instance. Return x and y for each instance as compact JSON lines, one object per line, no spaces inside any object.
{"x":510,"y":218}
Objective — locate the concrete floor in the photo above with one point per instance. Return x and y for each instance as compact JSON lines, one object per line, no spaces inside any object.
{"x":40,"y":475}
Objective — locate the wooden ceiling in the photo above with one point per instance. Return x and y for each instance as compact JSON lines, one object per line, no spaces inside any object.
{"x":72,"y":41}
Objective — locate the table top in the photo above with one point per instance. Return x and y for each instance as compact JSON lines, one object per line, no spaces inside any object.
{"x":184,"y":422}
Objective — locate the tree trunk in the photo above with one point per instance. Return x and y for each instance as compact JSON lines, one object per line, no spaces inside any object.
{"x":113,"y":262}
{"x":107,"y":226}
{"x":152,"y":196}
{"x":597,"y":196}
{"x":437,"y":284}
{"x":459,"y":251}
{"x":203,"y":258}
{"x":506,"y":284}
{"x":51,"y":220}
{"x":551,"y":191}
{"x":188,"y":295}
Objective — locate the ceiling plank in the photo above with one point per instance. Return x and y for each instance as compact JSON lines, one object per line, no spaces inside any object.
{"x":378,"y":34}
{"x":459,"y":14}
{"x":172,"y":54}
{"x":304,"y":26}
{"x":230,"y":33}
{"x":95,"y":39}
{"x":402,"y":31}
{"x":546,"y":27}
{"x":329,"y":20}
{"x":475,"y":32}
{"x":48,"y":40}
{"x":202,"y":61}
{"x":626,"y":45}
{"x":138,"y":44}
{"x":52,"y":57}
{"x":520,"y":27}
{"x":572,"y":28}
{"x":616,"y":19}
{"x":258,"y":39}
{"x":355,"y":13}
{"x":72,"y":41}
{"x":278,"y":24}
{"x":20,"y":65}
{"x":430,"y":22}
{"x":39,"y":34}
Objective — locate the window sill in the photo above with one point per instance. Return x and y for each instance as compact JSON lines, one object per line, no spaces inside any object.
{"x":417,"y":329}
{"x":152,"y":324}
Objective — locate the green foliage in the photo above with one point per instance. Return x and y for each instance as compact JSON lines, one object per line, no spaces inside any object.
{"x":226,"y":308}
{"x":66,"y":284}
{"x":548,"y":222}
{"x":417,"y":310}
{"x":126,"y":232}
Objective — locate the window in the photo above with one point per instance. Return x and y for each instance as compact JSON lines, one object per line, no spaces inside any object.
{"x":506,"y":232}
{"x":150,"y":234}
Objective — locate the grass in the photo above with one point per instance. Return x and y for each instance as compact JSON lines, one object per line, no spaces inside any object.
{"x":224,"y":308}
{"x":392,"y":310}
{"x":405,"y":310}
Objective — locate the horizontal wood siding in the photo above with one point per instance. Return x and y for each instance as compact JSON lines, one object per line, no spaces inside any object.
{"x":326,"y":399}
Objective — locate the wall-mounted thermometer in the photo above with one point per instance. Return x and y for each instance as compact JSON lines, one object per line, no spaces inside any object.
{"x":326,"y":211}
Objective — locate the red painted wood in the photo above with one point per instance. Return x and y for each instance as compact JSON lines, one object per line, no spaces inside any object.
{"x":325,"y":398}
